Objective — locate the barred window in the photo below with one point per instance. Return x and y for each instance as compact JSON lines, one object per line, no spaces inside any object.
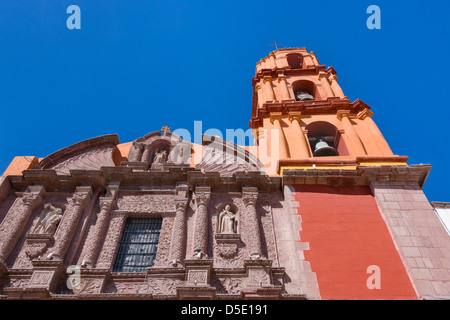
{"x":137,"y":250}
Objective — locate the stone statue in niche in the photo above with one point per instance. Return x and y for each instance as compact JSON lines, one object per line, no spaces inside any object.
{"x":227,"y":221}
{"x":159,"y":159}
{"x":301,"y":95}
{"x":49,"y":220}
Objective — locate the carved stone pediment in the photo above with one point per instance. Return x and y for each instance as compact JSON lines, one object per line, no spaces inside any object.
{"x":159,"y":150}
{"x":227,"y":158}
{"x":91,"y":154}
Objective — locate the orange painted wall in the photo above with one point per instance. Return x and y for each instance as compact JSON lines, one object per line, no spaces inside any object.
{"x":346,"y":234}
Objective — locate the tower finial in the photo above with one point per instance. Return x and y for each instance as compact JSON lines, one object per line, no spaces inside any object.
{"x":276,"y":45}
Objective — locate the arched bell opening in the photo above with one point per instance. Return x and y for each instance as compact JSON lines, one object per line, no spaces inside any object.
{"x":325,"y":140}
{"x":295,"y":60}
{"x":305,"y":90}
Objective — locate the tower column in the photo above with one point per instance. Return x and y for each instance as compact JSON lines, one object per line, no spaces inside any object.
{"x":202,"y":196}
{"x":70,"y":220}
{"x":15,"y":221}
{"x":323,"y":77}
{"x":350,"y":132}
{"x":250,"y":196}
{"x":284,"y":87}
{"x":275,"y":119}
{"x":272,"y":62}
{"x":268,"y":90}
{"x":303,"y":151}
{"x":314,"y":58}
{"x":336,"y":87}
{"x":367,"y":115}
{"x":308,"y":61}
{"x":260,"y":94}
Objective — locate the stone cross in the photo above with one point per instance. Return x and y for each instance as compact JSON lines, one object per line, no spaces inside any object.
{"x":165,"y":129}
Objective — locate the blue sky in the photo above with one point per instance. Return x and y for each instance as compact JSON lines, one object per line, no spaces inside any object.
{"x":138,"y":65}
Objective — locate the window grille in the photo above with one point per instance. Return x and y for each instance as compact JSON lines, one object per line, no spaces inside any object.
{"x":137,"y":250}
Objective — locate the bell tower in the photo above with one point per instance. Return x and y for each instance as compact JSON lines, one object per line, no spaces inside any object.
{"x":317,"y":125}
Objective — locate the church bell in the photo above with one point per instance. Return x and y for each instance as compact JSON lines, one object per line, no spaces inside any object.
{"x":322,"y":149}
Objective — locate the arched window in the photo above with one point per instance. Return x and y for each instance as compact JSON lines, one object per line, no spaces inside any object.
{"x":295,"y":60}
{"x":305,"y":90}
{"x":325,"y":140}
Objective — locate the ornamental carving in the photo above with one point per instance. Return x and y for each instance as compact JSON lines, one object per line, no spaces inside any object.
{"x":198,"y":277}
{"x":258,"y":277}
{"x":146,"y":203}
{"x":131,"y":287}
{"x":48,"y":220}
{"x":41,"y":278}
{"x":34,"y":250}
{"x":228,"y":285}
{"x":88,"y":286}
{"x":163,"y":286}
{"x":162,"y":254}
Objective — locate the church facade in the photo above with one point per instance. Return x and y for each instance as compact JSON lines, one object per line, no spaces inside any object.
{"x":319,"y":208}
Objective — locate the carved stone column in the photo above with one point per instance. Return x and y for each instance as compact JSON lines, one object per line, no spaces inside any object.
{"x":178,"y":233}
{"x":285,"y":95}
{"x":146,"y":154}
{"x":136,"y":152}
{"x":275,"y":119}
{"x":250,"y":196}
{"x":350,"y":132}
{"x":97,"y":235}
{"x":15,"y":221}
{"x":69,"y":222}
{"x":202,"y":197}
{"x":303,"y":144}
{"x":112,"y":240}
{"x":367,"y":115}
{"x":268,"y":90}
{"x":323,"y":77}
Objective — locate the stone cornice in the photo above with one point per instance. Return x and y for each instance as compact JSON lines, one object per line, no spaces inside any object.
{"x":287,"y":71}
{"x":310,"y":107}
{"x":362,"y":175}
